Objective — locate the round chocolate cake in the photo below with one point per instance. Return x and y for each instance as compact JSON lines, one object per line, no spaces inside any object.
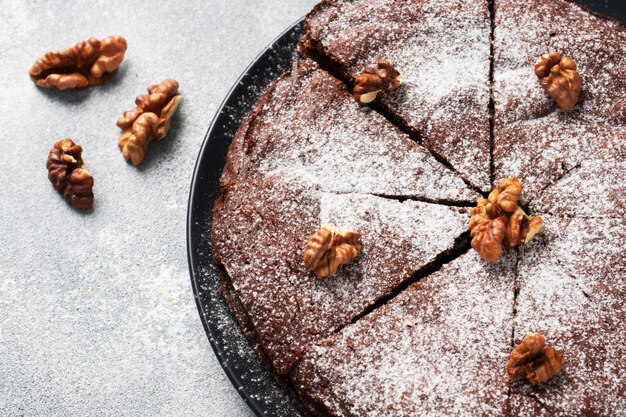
{"x":342,"y":228}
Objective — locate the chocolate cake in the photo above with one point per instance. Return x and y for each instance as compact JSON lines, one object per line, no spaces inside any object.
{"x":534,"y":139}
{"x":435,"y":349}
{"x":591,"y":189}
{"x":259,"y":233}
{"x":571,"y":287}
{"x":417,"y":323}
{"x":335,"y":145}
{"x":441,"y":49}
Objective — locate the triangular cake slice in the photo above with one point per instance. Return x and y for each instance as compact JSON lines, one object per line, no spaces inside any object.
{"x":439,"y":348}
{"x":572,"y":291}
{"x":441,"y":49}
{"x":307,"y":128}
{"x":288,"y":308}
{"x":534,"y":139}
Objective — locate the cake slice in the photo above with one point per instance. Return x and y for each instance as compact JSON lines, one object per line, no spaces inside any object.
{"x":259,"y":234}
{"x":307,"y":128}
{"x":572,"y":291}
{"x":441,"y":49}
{"x":533,"y":138}
{"x":439,"y":348}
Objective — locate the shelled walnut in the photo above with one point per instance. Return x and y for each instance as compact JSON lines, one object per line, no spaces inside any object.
{"x":87,"y":63}
{"x":533,"y":360}
{"x":558,"y":76}
{"x":498,"y":222}
{"x":67,"y":174}
{"x":328,"y":248}
{"x":374,"y":80}
{"x":149,"y":121}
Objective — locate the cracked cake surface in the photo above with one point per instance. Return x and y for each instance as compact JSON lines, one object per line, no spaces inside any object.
{"x":335,"y":145}
{"x":290,"y":307}
{"x":417,"y":323}
{"x":444,"y":362}
{"x":441,"y":49}
{"x":571,"y":287}
{"x":534,"y":139}
{"x":594,"y":188}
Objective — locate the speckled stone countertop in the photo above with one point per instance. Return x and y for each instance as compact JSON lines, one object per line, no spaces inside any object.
{"x":97,"y":315}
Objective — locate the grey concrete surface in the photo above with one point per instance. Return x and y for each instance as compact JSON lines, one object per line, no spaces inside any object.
{"x":97,"y":316}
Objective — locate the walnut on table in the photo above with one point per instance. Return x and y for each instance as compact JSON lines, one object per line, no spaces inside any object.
{"x":67,"y":174}
{"x":149,"y":121}
{"x":329,"y":248}
{"x":498,"y":223}
{"x":533,"y":360}
{"x":87,"y":63}
{"x":372,"y":81}
{"x":558,"y":76}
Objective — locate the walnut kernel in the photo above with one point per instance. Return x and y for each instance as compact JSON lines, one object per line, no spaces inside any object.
{"x":67,"y":174}
{"x":533,"y":360}
{"x":89,"y":62}
{"x":329,"y":248}
{"x":149,"y":121}
{"x":374,"y":80}
{"x":558,"y":76}
{"x":498,"y":223}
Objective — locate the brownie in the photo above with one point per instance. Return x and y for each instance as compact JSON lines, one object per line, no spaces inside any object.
{"x":307,"y":128}
{"x":259,"y":234}
{"x":451,"y":361}
{"x":442,"y":50}
{"x":533,"y":138}
{"x":572,"y":291}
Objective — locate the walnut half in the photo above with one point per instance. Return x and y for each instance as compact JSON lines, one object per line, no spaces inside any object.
{"x":558,"y":76}
{"x":149,"y":121}
{"x":89,"y":62}
{"x":67,"y":174}
{"x":374,"y":80}
{"x":533,"y":360}
{"x":329,"y":248}
{"x":498,"y":223}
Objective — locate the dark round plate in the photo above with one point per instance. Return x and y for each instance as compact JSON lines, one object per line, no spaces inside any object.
{"x":232,"y":349}
{"x":235,"y":354}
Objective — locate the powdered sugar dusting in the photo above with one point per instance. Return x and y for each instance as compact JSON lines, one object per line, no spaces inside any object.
{"x":540,"y":152}
{"x":572,"y":291}
{"x":320,"y":163}
{"x":408,"y":224}
{"x":290,"y":307}
{"x":533,"y":138}
{"x":310,"y":130}
{"x":594,"y":188}
{"x":442,"y":50}
{"x":449,"y":363}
